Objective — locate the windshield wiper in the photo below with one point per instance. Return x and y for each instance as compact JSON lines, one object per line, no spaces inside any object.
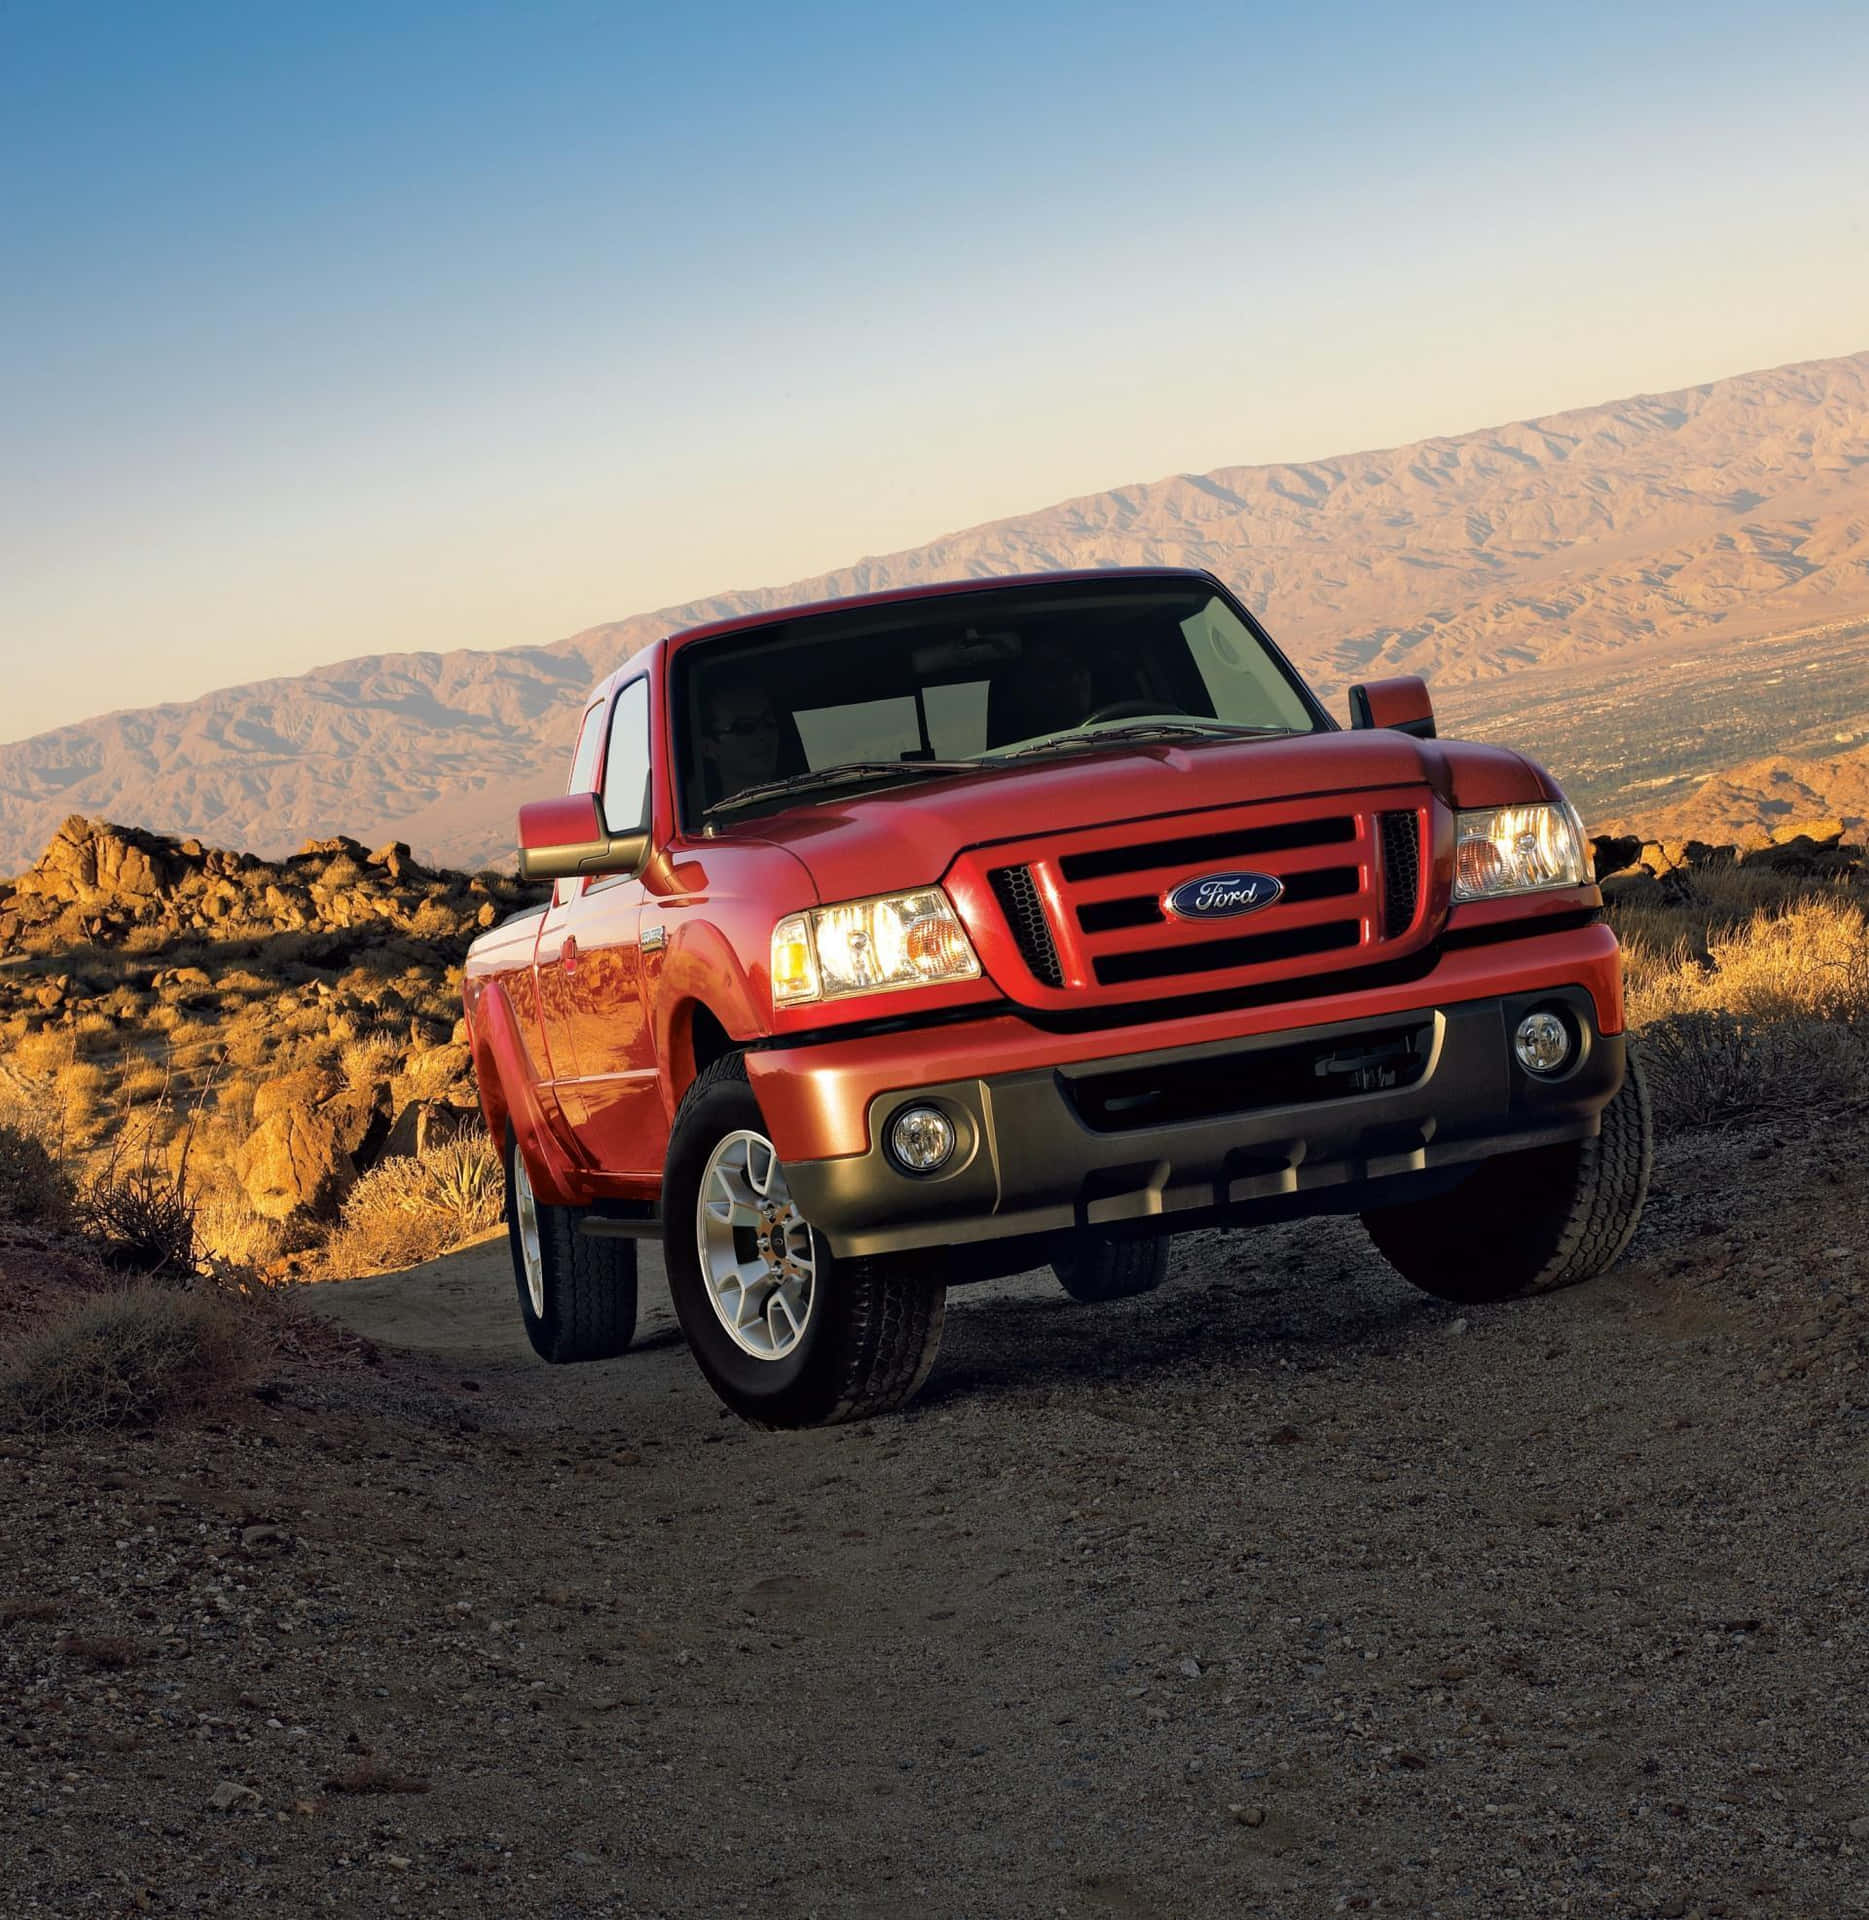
{"x":853,"y":771}
{"x":1143,"y":730}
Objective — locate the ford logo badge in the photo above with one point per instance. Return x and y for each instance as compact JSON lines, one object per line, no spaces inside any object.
{"x":1218,"y":896}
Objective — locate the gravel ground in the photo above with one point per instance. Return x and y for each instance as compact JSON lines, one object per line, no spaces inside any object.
{"x":1286,"y":1592}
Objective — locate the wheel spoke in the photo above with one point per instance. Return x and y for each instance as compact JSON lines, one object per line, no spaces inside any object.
{"x":756,"y":1249}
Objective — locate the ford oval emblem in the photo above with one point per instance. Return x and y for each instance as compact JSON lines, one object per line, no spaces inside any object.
{"x":1218,"y":896}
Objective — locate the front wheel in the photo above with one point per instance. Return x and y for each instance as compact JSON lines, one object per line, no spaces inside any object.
{"x":787,"y":1334}
{"x":577,"y":1295}
{"x":1529,"y":1222}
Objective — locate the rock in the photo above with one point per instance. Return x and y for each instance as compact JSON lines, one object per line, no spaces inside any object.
{"x":296,"y":1163}
{"x":1631,"y":889}
{"x":1697,"y":853}
{"x":1611,"y":853}
{"x":360,"y":1119}
{"x":301,"y":1090}
{"x":1859,"y":1827}
{"x":421,"y":1125}
{"x":1803,"y":857}
{"x":231,"y":1794}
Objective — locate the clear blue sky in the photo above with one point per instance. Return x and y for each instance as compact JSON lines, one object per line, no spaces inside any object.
{"x":329,"y":329}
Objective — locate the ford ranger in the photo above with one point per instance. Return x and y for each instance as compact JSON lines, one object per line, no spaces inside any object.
{"x":920,"y":938}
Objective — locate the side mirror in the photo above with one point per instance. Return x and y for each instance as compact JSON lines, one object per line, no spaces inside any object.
{"x":1401,"y":704}
{"x":562,"y":839}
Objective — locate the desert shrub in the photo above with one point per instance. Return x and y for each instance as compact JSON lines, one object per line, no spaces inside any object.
{"x":94,"y":1033}
{"x":230,"y":1230}
{"x":411,"y":1209}
{"x":128,"y":1359}
{"x":1751,"y":994}
{"x":369,"y":1058}
{"x":35,"y":1188}
{"x":142,"y":1080}
{"x":78,"y":1092}
{"x":44,"y":1054}
{"x":138,"y":1208}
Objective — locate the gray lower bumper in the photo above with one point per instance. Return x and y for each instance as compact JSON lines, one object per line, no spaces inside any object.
{"x":1247,"y":1122}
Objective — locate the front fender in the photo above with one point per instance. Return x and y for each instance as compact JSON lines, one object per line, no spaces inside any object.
{"x":511,"y":1095}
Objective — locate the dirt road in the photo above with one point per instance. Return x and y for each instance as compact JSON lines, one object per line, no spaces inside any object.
{"x":1287,"y":1592}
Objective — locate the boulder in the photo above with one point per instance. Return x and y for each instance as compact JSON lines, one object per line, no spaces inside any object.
{"x":299,"y":1091}
{"x":421,"y":1125}
{"x":295,"y":1163}
{"x":91,"y":862}
{"x":1612,"y":853}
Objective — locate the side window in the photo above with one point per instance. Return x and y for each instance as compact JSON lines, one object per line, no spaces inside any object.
{"x":584,"y":760}
{"x":626,"y":765}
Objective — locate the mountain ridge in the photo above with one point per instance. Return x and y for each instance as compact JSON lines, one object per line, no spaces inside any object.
{"x":1733,"y":507}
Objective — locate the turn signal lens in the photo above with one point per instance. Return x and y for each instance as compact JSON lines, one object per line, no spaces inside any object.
{"x":1501,"y":850}
{"x":870,"y":946}
{"x":794,"y":971}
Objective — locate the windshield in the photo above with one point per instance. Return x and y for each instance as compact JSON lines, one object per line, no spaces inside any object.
{"x":971,"y":679}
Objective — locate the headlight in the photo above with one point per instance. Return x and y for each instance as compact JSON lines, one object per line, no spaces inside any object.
{"x":1518,"y":850}
{"x":869,"y":946}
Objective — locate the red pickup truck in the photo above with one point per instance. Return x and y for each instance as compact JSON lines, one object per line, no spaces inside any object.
{"x":921,"y":938}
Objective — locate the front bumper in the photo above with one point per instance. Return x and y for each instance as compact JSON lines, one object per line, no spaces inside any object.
{"x":1229,"y":1126}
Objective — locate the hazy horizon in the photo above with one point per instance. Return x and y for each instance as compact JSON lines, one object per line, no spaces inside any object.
{"x":331,"y":337}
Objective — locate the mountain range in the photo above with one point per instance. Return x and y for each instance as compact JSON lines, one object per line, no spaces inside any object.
{"x":1670,"y":529}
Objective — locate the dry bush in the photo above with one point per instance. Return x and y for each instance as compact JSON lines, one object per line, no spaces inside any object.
{"x":35,"y":1188}
{"x":45,"y":1054}
{"x":410,"y":1209}
{"x":229,"y":1230}
{"x":1708,"y":1068}
{"x":138,"y":1208}
{"x":128,"y":1359}
{"x":94,"y":1033}
{"x":142,"y":1080}
{"x":1751,"y":995}
{"x":78,"y":1094}
{"x":369,"y":1058}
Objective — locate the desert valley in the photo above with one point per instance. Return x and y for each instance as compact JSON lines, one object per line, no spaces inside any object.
{"x":1594,"y":587}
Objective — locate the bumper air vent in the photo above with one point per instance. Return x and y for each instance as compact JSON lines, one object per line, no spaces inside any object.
{"x":1017,"y":894}
{"x":1401,"y":872}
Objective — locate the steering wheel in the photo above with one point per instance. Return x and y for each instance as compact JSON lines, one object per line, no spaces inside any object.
{"x":1128,"y":710}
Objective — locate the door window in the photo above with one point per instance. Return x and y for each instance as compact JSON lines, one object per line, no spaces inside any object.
{"x":626,"y":764}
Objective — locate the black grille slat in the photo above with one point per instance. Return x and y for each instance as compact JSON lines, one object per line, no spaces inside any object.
{"x":1017,"y":893}
{"x":1099,"y":864}
{"x":1208,"y":956}
{"x":1401,"y":872}
{"x":1145,"y":910}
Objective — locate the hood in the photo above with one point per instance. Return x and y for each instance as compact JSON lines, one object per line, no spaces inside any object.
{"x":879,"y":842}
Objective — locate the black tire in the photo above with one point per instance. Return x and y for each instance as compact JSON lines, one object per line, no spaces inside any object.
{"x":589,"y":1284}
{"x":873,"y":1328}
{"x":1529,"y":1222}
{"x":1092,"y":1265}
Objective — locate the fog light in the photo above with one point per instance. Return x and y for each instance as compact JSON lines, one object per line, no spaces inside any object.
{"x":921,"y":1139}
{"x":1542,"y":1043}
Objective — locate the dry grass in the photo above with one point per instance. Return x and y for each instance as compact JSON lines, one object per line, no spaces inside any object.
{"x":409,"y":1210}
{"x":1750,"y":993}
{"x":370,"y":1058}
{"x":128,"y":1359}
